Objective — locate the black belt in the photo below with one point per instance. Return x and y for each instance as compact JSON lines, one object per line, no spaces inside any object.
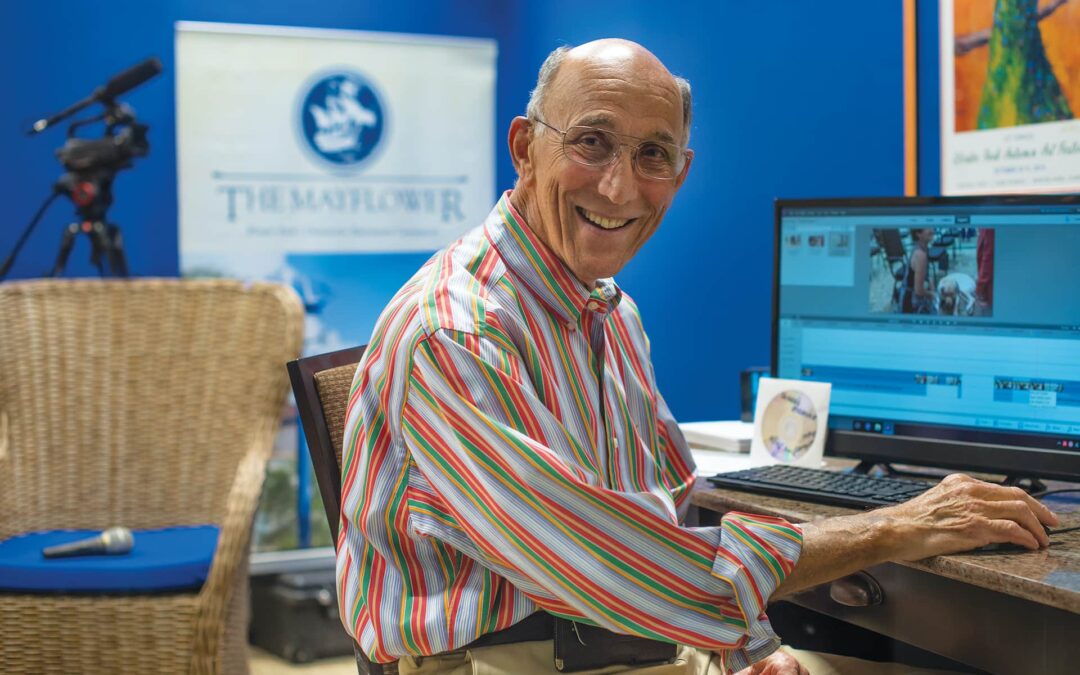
{"x":535,"y":627}
{"x":580,"y":646}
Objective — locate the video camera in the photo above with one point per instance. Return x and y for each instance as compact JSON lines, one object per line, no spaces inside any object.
{"x":114,"y":152}
{"x":92,"y":164}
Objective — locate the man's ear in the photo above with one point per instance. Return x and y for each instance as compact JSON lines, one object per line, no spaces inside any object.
{"x":685,"y":169}
{"x":519,"y":140}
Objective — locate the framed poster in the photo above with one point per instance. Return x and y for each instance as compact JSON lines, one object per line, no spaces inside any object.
{"x":1009,"y":96}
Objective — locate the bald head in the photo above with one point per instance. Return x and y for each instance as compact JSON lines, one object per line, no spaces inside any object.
{"x":597,"y":158}
{"x":616,"y":52}
{"x":606,"y":58}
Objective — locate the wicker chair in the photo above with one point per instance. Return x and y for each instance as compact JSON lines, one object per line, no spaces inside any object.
{"x":145,"y":403}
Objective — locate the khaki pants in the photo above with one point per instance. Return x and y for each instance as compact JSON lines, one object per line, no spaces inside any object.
{"x":535,"y":658}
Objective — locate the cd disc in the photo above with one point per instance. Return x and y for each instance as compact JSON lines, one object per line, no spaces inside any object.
{"x":789,"y":425}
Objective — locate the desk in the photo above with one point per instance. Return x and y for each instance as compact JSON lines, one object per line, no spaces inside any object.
{"x":1000,"y":612}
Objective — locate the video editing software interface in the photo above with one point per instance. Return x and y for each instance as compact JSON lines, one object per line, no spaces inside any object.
{"x":954,"y":321}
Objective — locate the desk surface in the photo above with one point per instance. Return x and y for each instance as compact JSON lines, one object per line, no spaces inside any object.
{"x":1049,"y":577}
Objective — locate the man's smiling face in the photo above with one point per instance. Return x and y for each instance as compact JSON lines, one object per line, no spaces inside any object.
{"x":596,"y":218}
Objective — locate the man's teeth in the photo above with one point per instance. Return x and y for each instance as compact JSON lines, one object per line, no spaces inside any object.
{"x":606,"y":223}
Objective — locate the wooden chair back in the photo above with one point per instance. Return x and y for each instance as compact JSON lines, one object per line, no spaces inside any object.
{"x":321,"y":387}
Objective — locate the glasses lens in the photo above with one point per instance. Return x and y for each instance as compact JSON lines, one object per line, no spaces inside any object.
{"x":658,"y":160}
{"x":597,"y":147}
{"x":590,"y":146}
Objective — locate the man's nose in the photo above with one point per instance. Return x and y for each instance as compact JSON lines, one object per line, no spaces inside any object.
{"x":619,"y":182}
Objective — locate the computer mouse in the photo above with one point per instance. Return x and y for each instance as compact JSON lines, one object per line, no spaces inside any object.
{"x":1009,"y":546}
{"x":1004,"y":547}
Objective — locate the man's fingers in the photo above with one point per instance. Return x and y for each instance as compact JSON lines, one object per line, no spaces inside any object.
{"x":1011,"y":532}
{"x":977,"y":489}
{"x":1000,"y":492}
{"x":1045,"y":515}
{"x":1018,"y":512}
{"x":777,"y":663}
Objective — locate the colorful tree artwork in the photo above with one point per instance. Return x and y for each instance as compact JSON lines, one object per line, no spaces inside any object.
{"x":1020,"y":70}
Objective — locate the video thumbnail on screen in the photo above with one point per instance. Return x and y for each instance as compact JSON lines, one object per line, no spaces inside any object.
{"x":934,"y":271}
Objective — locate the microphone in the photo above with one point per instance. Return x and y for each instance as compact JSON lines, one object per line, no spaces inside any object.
{"x":128,"y":80}
{"x":117,"y":84}
{"x":113,"y":541}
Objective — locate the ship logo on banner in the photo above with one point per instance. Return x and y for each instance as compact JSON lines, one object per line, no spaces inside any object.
{"x":341,"y":118}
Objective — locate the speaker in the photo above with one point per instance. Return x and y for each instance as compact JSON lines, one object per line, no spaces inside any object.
{"x":748,"y":385}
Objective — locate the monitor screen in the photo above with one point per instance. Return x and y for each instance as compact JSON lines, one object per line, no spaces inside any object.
{"x":948,"y":327}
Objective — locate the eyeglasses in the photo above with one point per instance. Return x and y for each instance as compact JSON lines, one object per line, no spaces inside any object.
{"x":590,"y":146}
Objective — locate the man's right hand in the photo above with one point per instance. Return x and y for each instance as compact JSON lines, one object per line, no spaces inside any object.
{"x":958,"y":514}
{"x":961,"y":513}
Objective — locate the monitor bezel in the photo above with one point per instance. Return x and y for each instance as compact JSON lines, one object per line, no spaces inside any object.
{"x":946,"y":453}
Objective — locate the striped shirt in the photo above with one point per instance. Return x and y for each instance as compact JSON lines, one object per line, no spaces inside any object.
{"x":506,"y":450}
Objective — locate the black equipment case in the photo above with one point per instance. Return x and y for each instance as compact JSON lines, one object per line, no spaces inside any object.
{"x":295,"y":616}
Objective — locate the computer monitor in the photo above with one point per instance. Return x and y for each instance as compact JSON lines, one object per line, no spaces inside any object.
{"x":948,"y":327}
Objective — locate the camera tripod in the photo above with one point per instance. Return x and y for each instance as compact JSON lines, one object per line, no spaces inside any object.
{"x":106,"y":244}
{"x":92,"y":195}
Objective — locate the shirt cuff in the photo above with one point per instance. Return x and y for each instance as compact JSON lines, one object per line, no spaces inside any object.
{"x":752,"y":652}
{"x":755,"y":555}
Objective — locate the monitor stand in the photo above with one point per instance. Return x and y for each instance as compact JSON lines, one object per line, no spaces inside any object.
{"x":1029,"y":484}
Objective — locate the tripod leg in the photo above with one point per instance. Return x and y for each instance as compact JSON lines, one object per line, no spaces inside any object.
{"x":99,"y":246}
{"x":66,"y":242}
{"x":117,"y":260}
{"x":96,"y":253}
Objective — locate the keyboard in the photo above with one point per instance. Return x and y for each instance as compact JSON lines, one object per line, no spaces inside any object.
{"x":821,"y":486}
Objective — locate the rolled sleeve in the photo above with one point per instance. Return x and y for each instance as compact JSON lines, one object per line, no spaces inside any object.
{"x":755,"y":555}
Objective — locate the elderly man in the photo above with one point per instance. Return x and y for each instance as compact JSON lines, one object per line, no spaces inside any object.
{"x":511,"y":472}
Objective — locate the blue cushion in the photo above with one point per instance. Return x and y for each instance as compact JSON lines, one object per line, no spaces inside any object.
{"x":169,"y":559}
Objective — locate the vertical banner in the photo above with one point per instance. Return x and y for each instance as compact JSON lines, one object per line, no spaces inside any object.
{"x":326,"y":141}
{"x":334,"y":161}
{"x":1010,"y":96}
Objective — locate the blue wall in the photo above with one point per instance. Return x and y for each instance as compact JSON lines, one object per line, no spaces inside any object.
{"x":792,"y":99}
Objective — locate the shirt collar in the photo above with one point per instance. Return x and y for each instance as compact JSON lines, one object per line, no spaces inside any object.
{"x":531,"y":261}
